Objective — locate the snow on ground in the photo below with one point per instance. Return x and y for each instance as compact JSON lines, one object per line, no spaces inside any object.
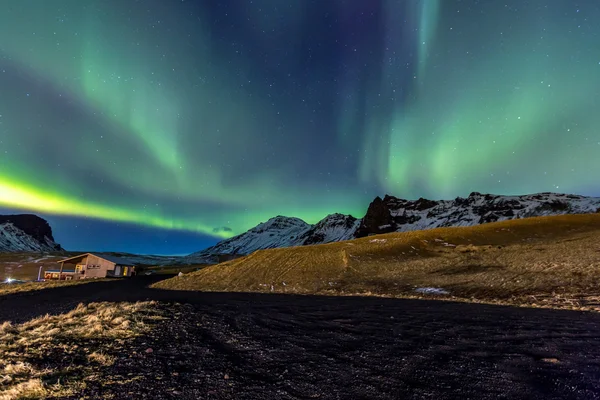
{"x":431,"y":290}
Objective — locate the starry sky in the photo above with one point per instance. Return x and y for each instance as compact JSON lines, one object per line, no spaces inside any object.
{"x":163,"y":126}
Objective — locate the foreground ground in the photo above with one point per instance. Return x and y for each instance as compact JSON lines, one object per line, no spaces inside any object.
{"x":267,"y":346}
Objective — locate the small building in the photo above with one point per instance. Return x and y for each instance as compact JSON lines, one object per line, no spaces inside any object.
{"x":90,"y":265}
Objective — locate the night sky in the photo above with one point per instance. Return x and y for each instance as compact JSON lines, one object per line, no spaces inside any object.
{"x":161,"y":126}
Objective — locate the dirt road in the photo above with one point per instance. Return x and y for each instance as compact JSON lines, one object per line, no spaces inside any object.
{"x":252,"y":346}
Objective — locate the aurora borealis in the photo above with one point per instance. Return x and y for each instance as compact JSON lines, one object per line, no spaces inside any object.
{"x":212,"y":116}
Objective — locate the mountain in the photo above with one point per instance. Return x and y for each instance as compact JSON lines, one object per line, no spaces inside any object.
{"x":392,"y":214}
{"x":283,"y":231}
{"x":26,"y":232}
{"x":332,"y":228}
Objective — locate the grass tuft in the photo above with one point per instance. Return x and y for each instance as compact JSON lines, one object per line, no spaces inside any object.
{"x":101,"y":358}
{"x":29,"y":389}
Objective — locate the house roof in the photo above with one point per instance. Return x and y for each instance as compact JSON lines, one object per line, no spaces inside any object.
{"x":113,"y":259}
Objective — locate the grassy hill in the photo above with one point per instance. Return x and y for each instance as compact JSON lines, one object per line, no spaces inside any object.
{"x":545,"y":261}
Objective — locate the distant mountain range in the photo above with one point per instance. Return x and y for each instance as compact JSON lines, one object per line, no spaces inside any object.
{"x":392,"y":214}
{"x":30,"y":233}
{"x":26,"y":233}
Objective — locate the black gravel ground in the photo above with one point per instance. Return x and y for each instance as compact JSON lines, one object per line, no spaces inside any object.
{"x":253,"y":346}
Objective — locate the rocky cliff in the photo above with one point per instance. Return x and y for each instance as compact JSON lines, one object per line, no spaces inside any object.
{"x":26,"y":232}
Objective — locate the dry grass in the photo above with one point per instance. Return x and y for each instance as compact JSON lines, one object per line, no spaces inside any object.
{"x":29,"y":286}
{"x":38,"y":358}
{"x":546,"y":262}
{"x":30,"y":389}
{"x":101,"y":358}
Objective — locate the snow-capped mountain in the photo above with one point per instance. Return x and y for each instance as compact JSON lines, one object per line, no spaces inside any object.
{"x":392,"y":214}
{"x":284,"y":232}
{"x":332,"y":228}
{"x":277,"y":232}
{"x":26,"y":233}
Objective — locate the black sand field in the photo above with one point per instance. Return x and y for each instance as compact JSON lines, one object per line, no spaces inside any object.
{"x":256,"y":346}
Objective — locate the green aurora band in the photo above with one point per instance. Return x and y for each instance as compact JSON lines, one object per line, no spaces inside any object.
{"x":139,"y":112}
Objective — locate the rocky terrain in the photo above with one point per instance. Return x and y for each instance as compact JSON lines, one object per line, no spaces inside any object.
{"x":26,"y":233}
{"x":392,"y":214}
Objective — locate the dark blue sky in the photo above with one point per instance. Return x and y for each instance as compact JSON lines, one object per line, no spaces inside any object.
{"x":86,"y":234}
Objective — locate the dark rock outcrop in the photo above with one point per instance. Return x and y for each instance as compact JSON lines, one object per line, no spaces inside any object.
{"x":26,"y":232}
{"x":36,"y":227}
{"x":378,"y":218}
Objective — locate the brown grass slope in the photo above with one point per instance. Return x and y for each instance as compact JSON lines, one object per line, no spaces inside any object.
{"x":545,"y":261}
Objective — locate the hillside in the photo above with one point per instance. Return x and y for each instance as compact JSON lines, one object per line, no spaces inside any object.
{"x":26,"y":233}
{"x":283,"y":231}
{"x":392,"y":214}
{"x":545,"y":261}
